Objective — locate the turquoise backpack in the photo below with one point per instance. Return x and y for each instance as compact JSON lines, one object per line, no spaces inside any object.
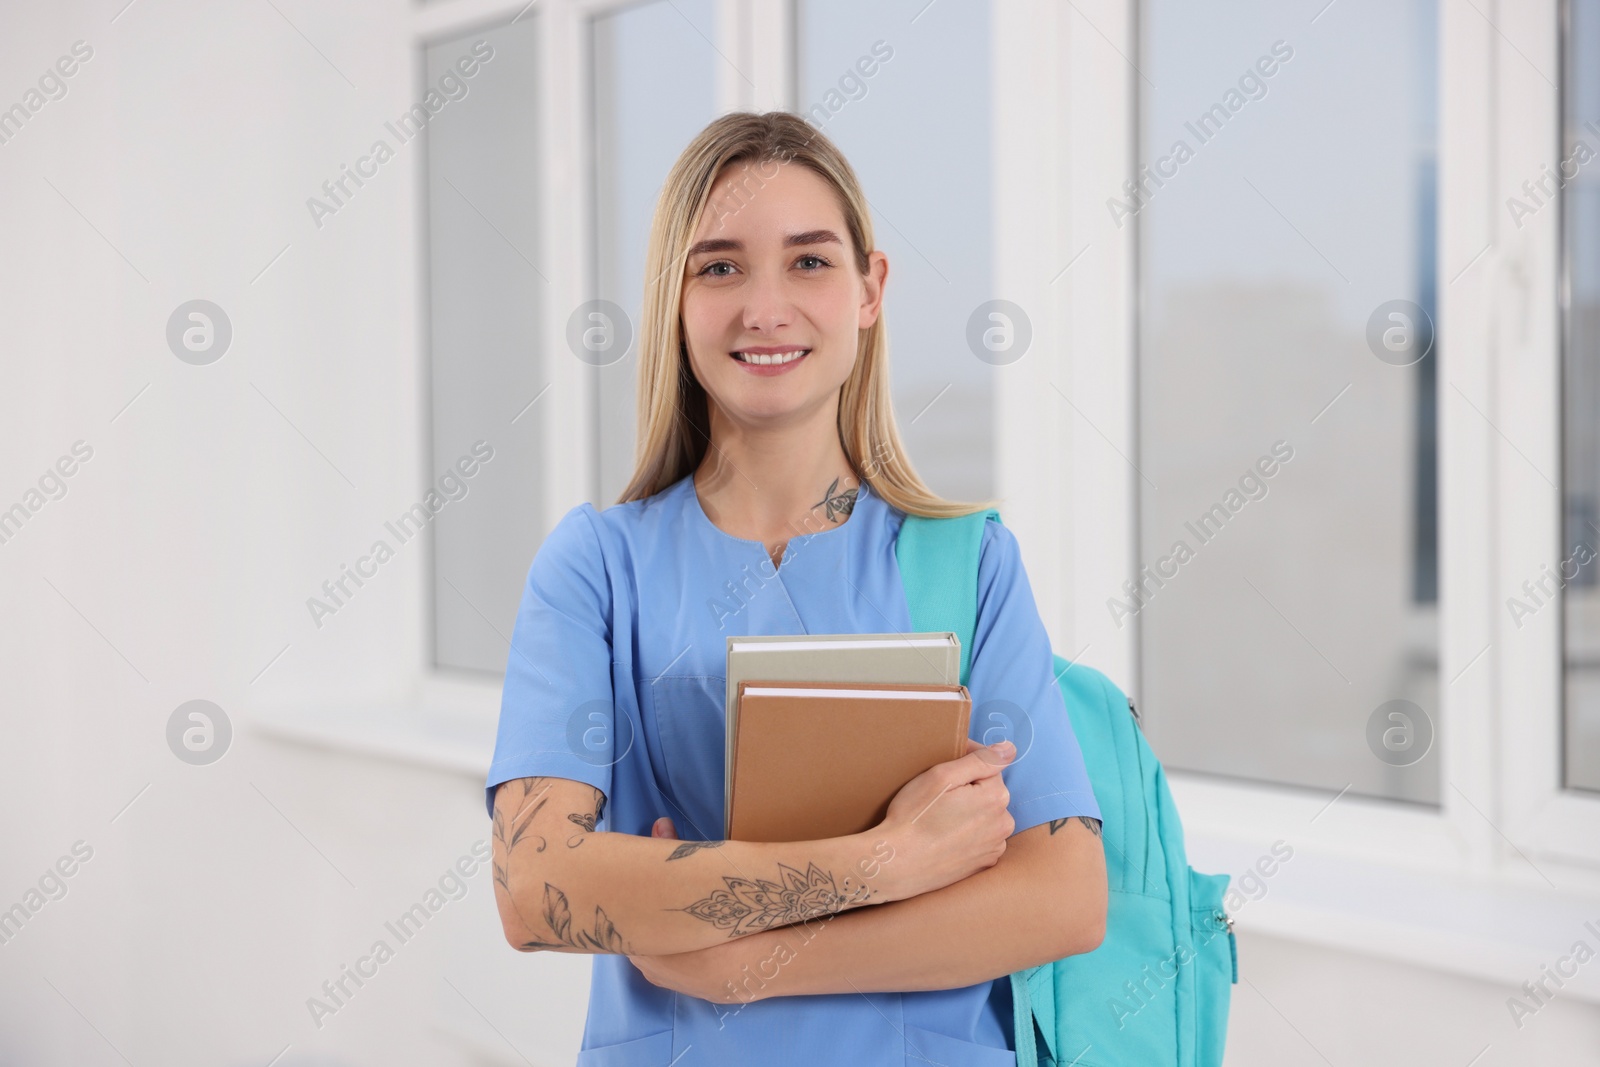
{"x":1156,"y":991}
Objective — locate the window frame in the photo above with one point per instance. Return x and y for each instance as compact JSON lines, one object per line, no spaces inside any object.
{"x":1502,"y":807}
{"x":1544,"y":817}
{"x":1066,"y":109}
{"x":756,"y":36}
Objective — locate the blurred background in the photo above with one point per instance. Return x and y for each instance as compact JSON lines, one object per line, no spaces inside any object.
{"x":1292,"y":407}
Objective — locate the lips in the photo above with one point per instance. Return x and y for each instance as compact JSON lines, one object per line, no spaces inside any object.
{"x":756,"y":358}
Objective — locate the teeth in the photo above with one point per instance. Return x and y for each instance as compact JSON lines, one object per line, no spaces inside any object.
{"x":766,"y":360}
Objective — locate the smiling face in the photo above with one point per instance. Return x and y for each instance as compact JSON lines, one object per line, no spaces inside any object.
{"x":772,"y":299}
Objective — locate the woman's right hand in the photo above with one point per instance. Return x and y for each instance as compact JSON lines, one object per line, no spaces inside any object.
{"x":950,"y":821}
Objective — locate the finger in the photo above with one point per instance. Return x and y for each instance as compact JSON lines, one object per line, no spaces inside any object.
{"x":663,"y":828}
{"x":985,"y":761}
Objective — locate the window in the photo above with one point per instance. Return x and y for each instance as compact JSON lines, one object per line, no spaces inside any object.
{"x":1575,"y":572}
{"x":503,"y":299}
{"x":1340,"y":206}
{"x":654,"y":88}
{"x":903,"y":90}
{"x":487,"y":293}
{"x":1286,"y":200}
{"x":1246,"y":297}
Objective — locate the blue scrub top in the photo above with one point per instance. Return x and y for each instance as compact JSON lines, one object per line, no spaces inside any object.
{"x":615,"y":678}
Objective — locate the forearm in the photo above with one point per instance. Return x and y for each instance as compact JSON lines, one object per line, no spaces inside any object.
{"x":1006,"y":918}
{"x":564,"y":887}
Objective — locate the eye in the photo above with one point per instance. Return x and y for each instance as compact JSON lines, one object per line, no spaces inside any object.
{"x":708,"y":268}
{"x":819,"y":260}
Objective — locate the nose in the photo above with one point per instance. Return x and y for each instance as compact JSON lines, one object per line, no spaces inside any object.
{"x":767,"y":306}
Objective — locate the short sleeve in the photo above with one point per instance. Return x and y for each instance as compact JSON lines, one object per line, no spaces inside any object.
{"x":1015,"y":694}
{"x":557,"y":707}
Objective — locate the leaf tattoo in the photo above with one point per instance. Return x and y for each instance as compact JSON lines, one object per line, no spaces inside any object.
{"x":689,"y":848}
{"x":523,"y":819}
{"x":512,"y":830}
{"x":558,"y":916}
{"x":556,"y":912}
{"x":838,"y":503}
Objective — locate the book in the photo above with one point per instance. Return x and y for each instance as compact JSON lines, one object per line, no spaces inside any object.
{"x":928,"y":658}
{"x":824,"y":759}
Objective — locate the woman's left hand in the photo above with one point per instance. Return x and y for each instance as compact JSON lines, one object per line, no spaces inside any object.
{"x":719,"y":974}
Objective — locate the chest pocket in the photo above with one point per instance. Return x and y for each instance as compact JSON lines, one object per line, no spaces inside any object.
{"x":688,"y":717}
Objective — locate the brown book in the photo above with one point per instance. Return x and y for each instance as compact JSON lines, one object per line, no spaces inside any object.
{"x":823,"y":759}
{"x":930,"y":658}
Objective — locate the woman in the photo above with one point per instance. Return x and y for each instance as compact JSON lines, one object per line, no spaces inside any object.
{"x":770,"y":487}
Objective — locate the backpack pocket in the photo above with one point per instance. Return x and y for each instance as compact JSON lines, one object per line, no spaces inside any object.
{"x":1215,"y":963}
{"x":1117,"y":1003}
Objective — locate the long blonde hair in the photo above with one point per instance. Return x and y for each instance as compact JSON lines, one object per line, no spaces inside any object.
{"x":673,"y":417}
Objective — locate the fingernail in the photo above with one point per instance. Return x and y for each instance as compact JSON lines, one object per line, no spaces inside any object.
{"x":1003,"y":748}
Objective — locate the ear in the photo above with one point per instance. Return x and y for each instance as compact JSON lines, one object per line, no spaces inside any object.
{"x":872,"y":284}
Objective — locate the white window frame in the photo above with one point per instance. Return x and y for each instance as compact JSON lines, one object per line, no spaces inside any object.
{"x":1065,"y":137}
{"x":1541,"y":816}
{"x":756,"y":37}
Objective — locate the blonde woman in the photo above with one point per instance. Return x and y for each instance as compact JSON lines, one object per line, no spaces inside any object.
{"x":769,"y":489}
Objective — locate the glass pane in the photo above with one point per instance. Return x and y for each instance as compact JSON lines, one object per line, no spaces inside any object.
{"x":1581,"y":394}
{"x":917,"y":132}
{"x":654,"y":90}
{"x":484,"y":302}
{"x":1287,"y":611}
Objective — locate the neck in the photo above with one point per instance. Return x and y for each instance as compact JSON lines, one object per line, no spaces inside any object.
{"x":773,"y":482}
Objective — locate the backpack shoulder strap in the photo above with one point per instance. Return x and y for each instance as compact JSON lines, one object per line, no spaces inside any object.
{"x":939,"y":569}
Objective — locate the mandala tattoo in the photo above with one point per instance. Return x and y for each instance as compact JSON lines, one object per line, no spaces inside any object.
{"x":1092,"y":824}
{"x":838,"y":504}
{"x":749,"y":906}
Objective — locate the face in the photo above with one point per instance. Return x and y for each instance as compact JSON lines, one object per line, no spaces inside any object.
{"x":771,"y":273}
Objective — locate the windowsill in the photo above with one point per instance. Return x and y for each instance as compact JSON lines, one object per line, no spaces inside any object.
{"x":1500,"y":928}
{"x":1495,"y":927}
{"x":449,"y":725}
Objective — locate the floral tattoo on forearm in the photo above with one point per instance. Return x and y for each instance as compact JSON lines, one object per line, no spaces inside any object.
{"x":743,"y":906}
{"x":511,"y":831}
{"x":751,"y":905}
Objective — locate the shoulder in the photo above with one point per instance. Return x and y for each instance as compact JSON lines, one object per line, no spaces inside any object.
{"x":889,"y":517}
{"x":1000,"y":568}
{"x":647,"y":517}
{"x":590,"y":534}
{"x":999,"y":546}
{"x":572,"y":554}
{"x":574,"y":538}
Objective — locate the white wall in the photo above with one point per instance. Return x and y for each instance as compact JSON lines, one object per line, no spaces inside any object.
{"x":1309,"y":1008}
{"x":177,"y":166}
{"x":178,"y":563}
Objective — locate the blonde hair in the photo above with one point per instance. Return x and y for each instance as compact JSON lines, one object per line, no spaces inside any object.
{"x":673,"y":417}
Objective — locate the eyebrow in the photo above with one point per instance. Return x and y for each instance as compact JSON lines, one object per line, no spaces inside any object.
{"x":728,"y":244}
